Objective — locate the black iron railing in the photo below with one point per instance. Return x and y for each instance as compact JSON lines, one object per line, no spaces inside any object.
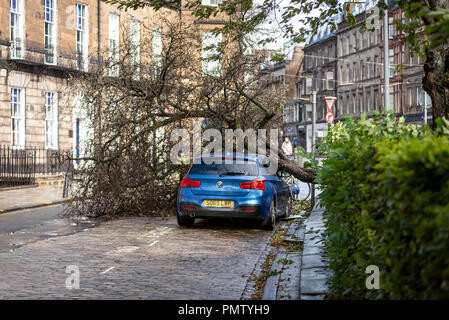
{"x":20,"y":166}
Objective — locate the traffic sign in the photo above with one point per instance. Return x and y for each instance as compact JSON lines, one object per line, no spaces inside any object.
{"x":330,"y":101}
{"x":329,"y":117}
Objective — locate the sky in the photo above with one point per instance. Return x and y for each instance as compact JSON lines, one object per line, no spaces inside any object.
{"x":274,"y":27}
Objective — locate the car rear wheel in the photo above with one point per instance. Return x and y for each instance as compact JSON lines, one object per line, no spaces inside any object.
{"x":270,"y":221}
{"x":185,"y":221}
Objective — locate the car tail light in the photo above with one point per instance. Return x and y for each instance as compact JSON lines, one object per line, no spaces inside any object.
{"x":186,"y":182}
{"x":255,"y":184}
{"x":189,"y":208}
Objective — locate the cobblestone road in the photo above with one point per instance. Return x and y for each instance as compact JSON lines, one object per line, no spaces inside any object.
{"x":137,"y":258}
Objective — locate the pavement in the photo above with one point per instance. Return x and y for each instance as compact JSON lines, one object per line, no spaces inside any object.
{"x":302,"y":275}
{"x":29,"y":197}
{"x":315,"y":272}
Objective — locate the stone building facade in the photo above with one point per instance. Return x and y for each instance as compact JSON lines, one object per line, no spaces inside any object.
{"x":282,"y":77}
{"x":358,"y":64}
{"x":319,"y":74}
{"x":405,"y":83}
{"x":43,"y":42}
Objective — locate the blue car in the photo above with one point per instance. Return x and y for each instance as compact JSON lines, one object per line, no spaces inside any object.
{"x":241,"y":189}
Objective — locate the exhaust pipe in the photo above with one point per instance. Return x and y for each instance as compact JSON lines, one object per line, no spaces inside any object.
{"x":192,"y":215}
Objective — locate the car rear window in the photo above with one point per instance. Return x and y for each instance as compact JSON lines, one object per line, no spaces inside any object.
{"x":247,"y":168}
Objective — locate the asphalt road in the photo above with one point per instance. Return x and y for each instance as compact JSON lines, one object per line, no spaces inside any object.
{"x":17,"y":220}
{"x":22,"y":227}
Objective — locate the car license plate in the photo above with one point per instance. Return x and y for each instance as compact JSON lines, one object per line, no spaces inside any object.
{"x":219,"y":203}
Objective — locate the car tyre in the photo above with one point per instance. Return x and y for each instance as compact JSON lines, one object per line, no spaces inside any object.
{"x":270,"y":221}
{"x":185,"y":221}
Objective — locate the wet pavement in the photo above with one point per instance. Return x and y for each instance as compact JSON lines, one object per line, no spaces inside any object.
{"x":132,"y":258}
{"x":20,"y":198}
{"x":23,"y":227}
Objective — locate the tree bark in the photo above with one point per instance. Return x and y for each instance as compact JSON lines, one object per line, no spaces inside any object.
{"x":303,"y":174}
{"x":436,"y":69}
{"x":436,"y":81}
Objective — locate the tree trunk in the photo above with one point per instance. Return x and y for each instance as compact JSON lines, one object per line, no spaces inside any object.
{"x":303,"y":174}
{"x":436,"y":81}
{"x":436,"y":69}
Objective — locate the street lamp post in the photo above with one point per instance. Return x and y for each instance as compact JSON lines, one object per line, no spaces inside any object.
{"x":386,"y":62}
{"x":313,"y":141}
{"x":423,"y":102}
{"x":312,"y":99}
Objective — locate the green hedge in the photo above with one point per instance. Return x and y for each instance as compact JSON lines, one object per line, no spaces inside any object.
{"x":386,"y":193}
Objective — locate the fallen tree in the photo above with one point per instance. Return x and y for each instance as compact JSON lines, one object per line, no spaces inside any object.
{"x":125,"y":164}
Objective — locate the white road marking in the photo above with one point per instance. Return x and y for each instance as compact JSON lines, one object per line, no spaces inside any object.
{"x":157,"y":233}
{"x":153,"y":243}
{"x":120,"y":250}
{"x":107,"y":270}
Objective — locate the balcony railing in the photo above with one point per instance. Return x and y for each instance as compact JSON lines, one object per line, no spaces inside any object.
{"x":50,"y":54}
{"x":16,"y":49}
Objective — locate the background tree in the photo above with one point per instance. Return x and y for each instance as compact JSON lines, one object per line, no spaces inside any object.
{"x":426,"y":28}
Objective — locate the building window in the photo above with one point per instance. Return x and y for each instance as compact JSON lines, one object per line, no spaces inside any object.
{"x":417,"y":90}
{"x":82,"y":37}
{"x":18,"y":117}
{"x":350,"y":45}
{"x":17,"y":29}
{"x":368,"y":101}
{"x":390,"y":28}
{"x":376,"y":66}
{"x":361,"y":106}
{"x":410,"y":97}
{"x":376,"y":100}
{"x":396,"y":98}
{"x":157,"y":51}
{"x":50,"y":31}
{"x":368,"y":68}
{"x":134,"y":31}
{"x":404,"y":56}
{"x":51,"y":120}
{"x":362,"y":70}
{"x":308,"y":86}
{"x":210,"y":54}
{"x":391,"y":59}
{"x":114,"y":45}
{"x":397,"y":55}
{"x":330,"y":80}
{"x":353,"y":105}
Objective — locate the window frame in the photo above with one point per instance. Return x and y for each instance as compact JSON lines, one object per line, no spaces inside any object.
{"x":134,"y":39}
{"x":156,"y":52}
{"x":216,"y":67}
{"x":17,"y":31}
{"x":53,"y":118}
{"x":82,"y":37}
{"x":114,"y":44}
{"x":53,"y":26}
{"x":19,"y":117}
